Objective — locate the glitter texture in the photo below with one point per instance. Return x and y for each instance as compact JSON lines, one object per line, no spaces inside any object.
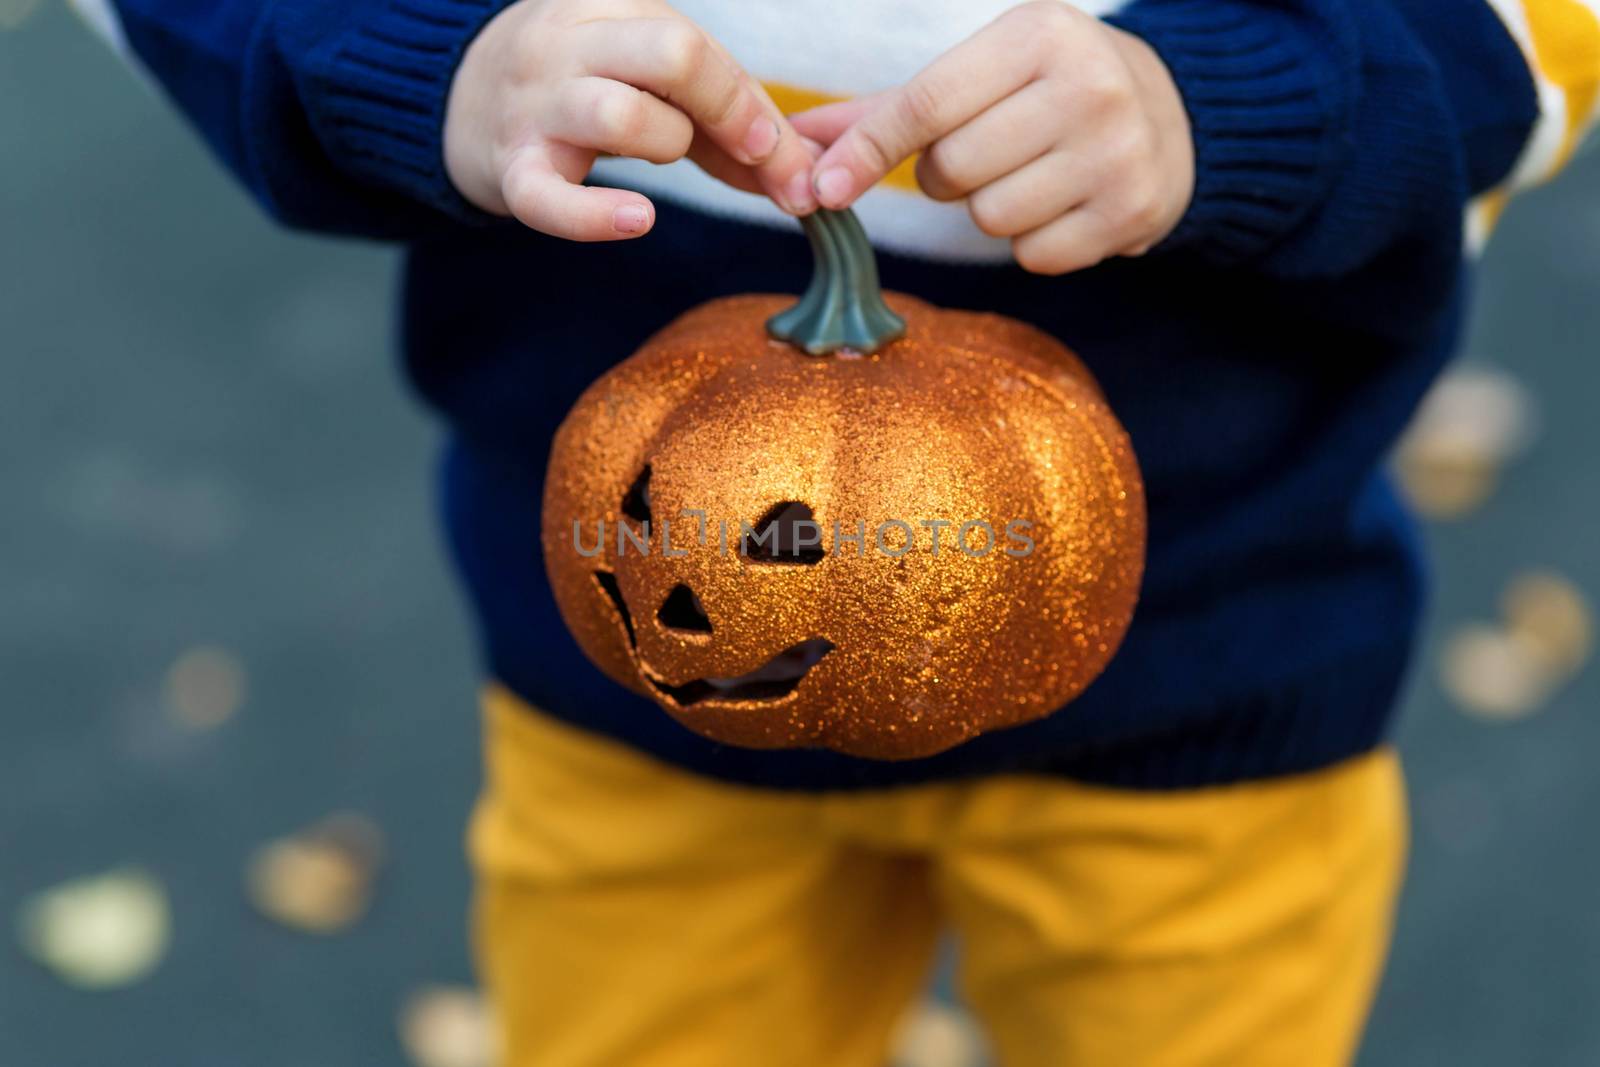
{"x":968,"y":417}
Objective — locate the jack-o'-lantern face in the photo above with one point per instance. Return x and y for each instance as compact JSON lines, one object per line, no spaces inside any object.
{"x":882,"y":555}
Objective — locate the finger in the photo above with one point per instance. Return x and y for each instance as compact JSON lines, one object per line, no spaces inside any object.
{"x":1079,"y":239}
{"x":609,"y":116}
{"x":677,"y":62}
{"x":826,"y":122}
{"x":674,"y":60}
{"x":1012,"y":133}
{"x":948,"y":93}
{"x":1030,"y":196}
{"x":541,"y":199}
{"x":710,"y":157}
{"x":785,"y":176}
{"x":717,"y":163}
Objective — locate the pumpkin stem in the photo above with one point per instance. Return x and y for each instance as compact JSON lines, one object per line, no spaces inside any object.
{"x":843,"y":306}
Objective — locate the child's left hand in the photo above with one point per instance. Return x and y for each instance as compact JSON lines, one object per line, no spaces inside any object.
{"x":1065,"y":134}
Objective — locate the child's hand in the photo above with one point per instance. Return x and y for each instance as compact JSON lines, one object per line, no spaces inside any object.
{"x":548,"y":85}
{"x":1063,"y":133}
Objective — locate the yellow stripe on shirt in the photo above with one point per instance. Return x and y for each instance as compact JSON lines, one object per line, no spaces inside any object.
{"x":1561,"y":41}
{"x":1565,"y":35}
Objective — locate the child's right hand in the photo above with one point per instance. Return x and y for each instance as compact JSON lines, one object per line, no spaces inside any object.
{"x":548,"y":85}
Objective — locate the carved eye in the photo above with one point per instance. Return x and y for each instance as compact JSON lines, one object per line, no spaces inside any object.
{"x":636,"y":501}
{"x":787,"y":533}
{"x":682,"y":611}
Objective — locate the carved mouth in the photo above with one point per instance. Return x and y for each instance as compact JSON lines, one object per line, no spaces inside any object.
{"x":772,"y":681}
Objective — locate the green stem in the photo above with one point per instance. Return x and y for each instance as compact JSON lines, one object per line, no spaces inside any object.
{"x":843,"y":306}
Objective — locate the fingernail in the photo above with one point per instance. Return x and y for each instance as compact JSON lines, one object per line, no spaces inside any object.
{"x":834,"y":187}
{"x":761,"y":139}
{"x":630,"y":218}
{"x":797,"y":194}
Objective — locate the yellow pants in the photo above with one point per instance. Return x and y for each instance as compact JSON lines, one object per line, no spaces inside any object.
{"x":630,"y":914}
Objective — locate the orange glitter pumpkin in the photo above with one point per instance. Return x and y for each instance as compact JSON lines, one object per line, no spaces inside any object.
{"x":877,"y":531}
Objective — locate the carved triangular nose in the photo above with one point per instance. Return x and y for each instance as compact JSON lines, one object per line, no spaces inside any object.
{"x":682,"y":611}
{"x":787,"y":533}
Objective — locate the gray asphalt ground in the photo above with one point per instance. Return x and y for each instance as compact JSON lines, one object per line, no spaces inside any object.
{"x":204,"y":440}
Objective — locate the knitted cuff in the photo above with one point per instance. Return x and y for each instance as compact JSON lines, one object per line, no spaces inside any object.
{"x":1264,"y":108}
{"x":382,"y":104}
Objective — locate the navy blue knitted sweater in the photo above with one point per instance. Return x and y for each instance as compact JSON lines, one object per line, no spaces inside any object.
{"x":1263,"y":359}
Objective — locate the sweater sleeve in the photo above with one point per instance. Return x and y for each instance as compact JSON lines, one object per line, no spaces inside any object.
{"x":331,"y":114}
{"x":1330,"y":131}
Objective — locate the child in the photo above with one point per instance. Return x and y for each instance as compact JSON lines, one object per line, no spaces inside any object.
{"x":1248,"y":216}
